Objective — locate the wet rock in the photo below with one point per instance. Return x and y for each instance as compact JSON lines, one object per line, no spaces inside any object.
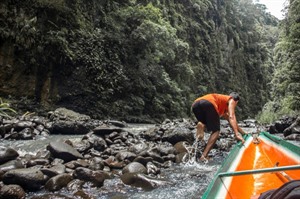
{"x":181,"y":147}
{"x":97,"y":142}
{"x":96,"y":177}
{"x":82,"y":195}
{"x":112,"y":135}
{"x":83,"y":146}
{"x":22,"y":125}
{"x":114,"y":164}
{"x":126,"y":155}
{"x":31,"y":179}
{"x":51,"y":196}
{"x":100,"y":144}
{"x":124,"y":135}
{"x":40,"y":127}
{"x":26,"y":134}
{"x":152,"y":134}
{"x":294,"y":128}
{"x":180,"y":156}
{"x":117,"y":123}
{"x":35,"y":162}
{"x":171,"y":157}
{"x":75,"y":185}
{"x":57,"y":182}
{"x":55,"y":170}
{"x":143,"y":160}
{"x":63,"y":151}
{"x":67,"y":114}
{"x":12,"y":192}
{"x":69,"y":127}
{"x":77,"y":163}
{"x":250,"y":123}
{"x":224,"y":144}
{"x":155,"y":156}
{"x":13,"y":164}
{"x":280,"y":125}
{"x":96,"y":163}
{"x":134,"y":167}
{"x":178,"y":134}
{"x":1,"y":174}
{"x":25,"y":127}
{"x":293,"y":137}
{"x":152,"y":169}
{"x":106,"y":130}
{"x":166,"y":148}
{"x":7,"y":154}
{"x":143,"y":181}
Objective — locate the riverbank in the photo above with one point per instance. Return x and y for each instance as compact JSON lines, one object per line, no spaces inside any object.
{"x":70,"y":155}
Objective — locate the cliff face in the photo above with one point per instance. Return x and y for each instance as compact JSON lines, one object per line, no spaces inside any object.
{"x":32,"y":61}
{"x":132,"y":59}
{"x":15,"y":79}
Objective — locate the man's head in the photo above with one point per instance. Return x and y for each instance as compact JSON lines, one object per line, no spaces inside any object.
{"x":235,"y":96}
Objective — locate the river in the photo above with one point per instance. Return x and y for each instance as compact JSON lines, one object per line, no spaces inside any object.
{"x":187,"y":180}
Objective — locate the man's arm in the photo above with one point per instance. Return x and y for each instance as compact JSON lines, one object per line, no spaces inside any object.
{"x":226,"y":116}
{"x":241,"y":130}
{"x":232,"y":120}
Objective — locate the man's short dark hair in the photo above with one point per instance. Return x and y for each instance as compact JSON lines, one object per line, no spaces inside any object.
{"x":235,"y":96}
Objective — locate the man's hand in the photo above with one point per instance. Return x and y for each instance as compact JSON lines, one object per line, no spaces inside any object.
{"x":240,"y":138}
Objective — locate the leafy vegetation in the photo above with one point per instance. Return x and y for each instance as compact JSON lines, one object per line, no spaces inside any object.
{"x":285,"y":89}
{"x":5,"y":110}
{"x":141,"y":59}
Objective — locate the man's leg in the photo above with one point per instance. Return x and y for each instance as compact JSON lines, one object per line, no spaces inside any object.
{"x":210,"y":143}
{"x":200,"y":130}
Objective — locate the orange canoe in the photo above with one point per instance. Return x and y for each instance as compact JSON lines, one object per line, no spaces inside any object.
{"x":252,"y":168}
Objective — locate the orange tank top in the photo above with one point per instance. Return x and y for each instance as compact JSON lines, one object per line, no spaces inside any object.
{"x":219,"y":101}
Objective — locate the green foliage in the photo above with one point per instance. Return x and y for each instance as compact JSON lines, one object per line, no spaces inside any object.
{"x":272,"y":111}
{"x":286,"y":77}
{"x":144,"y":58}
{"x":56,"y":4}
{"x":5,"y":109}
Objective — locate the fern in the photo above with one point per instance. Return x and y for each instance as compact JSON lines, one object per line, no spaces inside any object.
{"x":5,"y":109}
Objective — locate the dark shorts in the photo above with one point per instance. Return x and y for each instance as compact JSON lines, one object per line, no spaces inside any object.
{"x":206,"y":113}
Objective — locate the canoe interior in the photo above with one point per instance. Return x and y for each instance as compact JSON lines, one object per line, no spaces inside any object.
{"x":269,"y":153}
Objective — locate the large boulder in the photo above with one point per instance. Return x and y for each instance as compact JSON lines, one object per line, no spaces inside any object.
{"x":12,"y":192}
{"x":134,"y":167}
{"x":294,"y":128}
{"x":12,"y":164}
{"x":67,"y":114}
{"x":63,"y":151}
{"x":280,"y":125}
{"x":30,"y":179}
{"x":143,"y":181}
{"x":57,"y":182}
{"x":95,"y":177}
{"x":179,"y":133}
{"x":7,"y":154}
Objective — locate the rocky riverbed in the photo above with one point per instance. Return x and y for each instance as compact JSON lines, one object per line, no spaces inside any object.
{"x":97,"y":158}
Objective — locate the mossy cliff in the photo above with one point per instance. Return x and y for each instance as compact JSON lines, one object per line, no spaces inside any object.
{"x":135,"y":59}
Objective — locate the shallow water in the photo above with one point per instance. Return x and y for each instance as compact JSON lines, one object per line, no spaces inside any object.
{"x":187,"y":180}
